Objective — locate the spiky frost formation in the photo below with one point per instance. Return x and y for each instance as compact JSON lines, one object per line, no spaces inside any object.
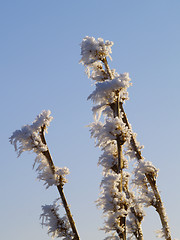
{"x":93,"y":50}
{"x":58,"y":227}
{"x":111,"y":201}
{"x":45,"y":172}
{"x":105,"y":92}
{"x":146,"y":195}
{"x":28,"y":138}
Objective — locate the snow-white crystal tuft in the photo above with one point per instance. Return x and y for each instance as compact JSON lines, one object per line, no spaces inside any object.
{"x":46,"y":174}
{"x":113,"y":202}
{"x":93,"y":50}
{"x":107,"y":133}
{"x":105,"y":92}
{"x":28,"y":137}
{"x":58,"y":227}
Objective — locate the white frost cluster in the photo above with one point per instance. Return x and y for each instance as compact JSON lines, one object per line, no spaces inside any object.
{"x":93,"y":53}
{"x":45,"y":172}
{"x":145,"y":167}
{"x":105,"y":92}
{"x":146,"y":195}
{"x":93,"y":50}
{"x":58,"y":227}
{"x":28,"y":137}
{"x":105,"y":134}
{"x":111,"y":201}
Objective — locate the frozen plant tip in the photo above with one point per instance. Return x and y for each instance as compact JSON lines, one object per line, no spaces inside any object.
{"x":28,"y":137}
{"x":93,"y":50}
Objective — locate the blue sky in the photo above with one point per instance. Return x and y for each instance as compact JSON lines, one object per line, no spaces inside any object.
{"x":39,"y":69}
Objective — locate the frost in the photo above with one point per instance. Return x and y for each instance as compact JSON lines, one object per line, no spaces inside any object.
{"x":108,"y":157}
{"x":120,"y":198}
{"x":105,"y":92}
{"x":57,"y":226}
{"x":43,"y":119}
{"x":145,"y":167}
{"x":106,"y":133}
{"x":45,"y":172}
{"x":93,"y":50}
{"x":113,"y":202}
{"x":98,"y":74}
{"x":31,"y":138}
{"x":146,"y":195}
{"x":28,"y":137}
{"x":97,"y":110}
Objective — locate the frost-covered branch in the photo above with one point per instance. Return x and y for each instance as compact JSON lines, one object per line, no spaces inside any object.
{"x":109,"y":95}
{"x":110,"y":89}
{"x":31,"y":138}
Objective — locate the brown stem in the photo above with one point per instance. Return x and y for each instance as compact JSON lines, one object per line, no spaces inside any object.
{"x":108,"y":70}
{"x":159,"y":206}
{"x":59,"y":186}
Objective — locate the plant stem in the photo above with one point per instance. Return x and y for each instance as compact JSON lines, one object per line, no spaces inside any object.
{"x":116,"y":110}
{"x":59,"y":187}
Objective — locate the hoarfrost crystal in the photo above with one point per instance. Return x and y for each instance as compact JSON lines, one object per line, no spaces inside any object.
{"x":28,"y":137}
{"x":57,"y":226}
{"x":93,"y":50}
